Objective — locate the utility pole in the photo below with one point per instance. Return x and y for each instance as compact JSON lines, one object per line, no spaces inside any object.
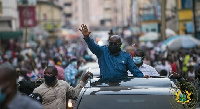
{"x":26,"y":23}
{"x":52,"y":17}
{"x":177,"y":16}
{"x":194,"y":18}
{"x":163,"y":21}
{"x":131,"y":13}
{"x":122,"y":12}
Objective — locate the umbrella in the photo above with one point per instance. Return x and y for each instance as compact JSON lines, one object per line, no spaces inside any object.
{"x":180,"y":41}
{"x":151,"y":36}
{"x":169,"y":32}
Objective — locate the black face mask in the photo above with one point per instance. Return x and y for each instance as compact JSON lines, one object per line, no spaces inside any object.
{"x":114,"y":49}
{"x":50,"y":79}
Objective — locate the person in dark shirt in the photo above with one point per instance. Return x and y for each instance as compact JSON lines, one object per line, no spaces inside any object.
{"x":113,"y":62}
{"x":9,"y":97}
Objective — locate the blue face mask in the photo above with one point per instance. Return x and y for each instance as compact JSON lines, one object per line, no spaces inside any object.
{"x":74,"y":63}
{"x":2,"y":96}
{"x":137,"y":60}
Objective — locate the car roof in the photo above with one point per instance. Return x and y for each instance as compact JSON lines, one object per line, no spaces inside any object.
{"x":131,"y":82}
{"x":150,"y":86}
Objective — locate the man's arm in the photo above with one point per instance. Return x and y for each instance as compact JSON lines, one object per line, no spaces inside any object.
{"x":132,"y":68}
{"x":96,"y":49}
{"x":74,"y":92}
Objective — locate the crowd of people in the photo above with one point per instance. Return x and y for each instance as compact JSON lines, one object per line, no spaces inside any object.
{"x":64,"y":60}
{"x":185,"y":62}
{"x":52,"y":74}
{"x":65,"y":56}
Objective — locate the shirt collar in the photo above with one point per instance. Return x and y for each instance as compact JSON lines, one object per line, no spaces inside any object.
{"x":143,"y":65}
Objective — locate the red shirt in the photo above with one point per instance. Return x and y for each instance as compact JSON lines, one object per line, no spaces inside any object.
{"x":174,"y":66}
{"x":61,"y":73}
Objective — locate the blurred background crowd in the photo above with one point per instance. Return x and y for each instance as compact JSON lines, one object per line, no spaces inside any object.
{"x":38,"y":33}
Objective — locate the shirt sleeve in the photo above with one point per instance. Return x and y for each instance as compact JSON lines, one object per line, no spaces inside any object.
{"x":96,"y":49}
{"x":36,"y":91}
{"x":73,"y":93}
{"x":67,"y":74}
{"x":154,"y":72}
{"x":133,"y":69}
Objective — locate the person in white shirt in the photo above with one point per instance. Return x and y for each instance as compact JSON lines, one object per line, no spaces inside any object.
{"x":144,"y":68}
{"x":164,"y":66}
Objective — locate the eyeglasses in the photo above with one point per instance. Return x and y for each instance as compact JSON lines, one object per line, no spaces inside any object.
{"x":114,"y":43}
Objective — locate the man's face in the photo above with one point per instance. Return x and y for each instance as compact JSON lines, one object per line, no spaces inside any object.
{"x":138,"y":58}
{"x":114,"y":45}
{"x":115,"y":41}
{"x":49,"y":72}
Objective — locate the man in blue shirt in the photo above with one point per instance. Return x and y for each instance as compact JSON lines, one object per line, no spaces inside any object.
{"x":113,"y":62}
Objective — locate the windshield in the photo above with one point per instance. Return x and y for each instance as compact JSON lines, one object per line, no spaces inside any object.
{"x":124,"y":102}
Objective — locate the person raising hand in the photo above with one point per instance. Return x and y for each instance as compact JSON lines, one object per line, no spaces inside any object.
{"x":113,"y":62}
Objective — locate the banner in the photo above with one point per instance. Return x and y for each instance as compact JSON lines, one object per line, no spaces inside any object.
{"x":27,"y":16}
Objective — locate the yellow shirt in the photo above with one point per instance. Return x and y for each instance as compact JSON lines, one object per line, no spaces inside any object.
{"x":55,"y":97}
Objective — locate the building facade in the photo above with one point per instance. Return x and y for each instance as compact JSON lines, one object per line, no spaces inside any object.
{"x":149,"y":13}
{"x":10,"y":32}
{"x":99,"y":14}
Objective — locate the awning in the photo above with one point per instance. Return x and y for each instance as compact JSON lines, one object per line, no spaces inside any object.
{"x":11,"y":35}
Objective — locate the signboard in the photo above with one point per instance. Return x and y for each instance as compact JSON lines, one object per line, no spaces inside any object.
{"x":147,"y":17}
{"x":189,"y":27}
{"x":150,"y":27}
{"x":186,"y":4}
{"x":52,"y":26}
{"x":27,"y":15}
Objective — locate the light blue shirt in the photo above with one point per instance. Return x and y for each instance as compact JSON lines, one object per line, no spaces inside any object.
{"x":70,"y":73}
{"x":113,"y":67}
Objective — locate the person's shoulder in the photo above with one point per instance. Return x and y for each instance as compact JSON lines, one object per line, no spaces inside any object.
{"x":28,"y":102}
{"x":41,"y":87}
{"x":61,"y":82}
{"x":125,"y":53}
{"x":147,"y":66}
{"x":104,"y":48}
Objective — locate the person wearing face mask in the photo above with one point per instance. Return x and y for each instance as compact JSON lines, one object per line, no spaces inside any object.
{"x":113,"y":62}
{"x":10,"y":98}
{"x":71,"y":71}
{"x":138,"y":61}
{"x":55,"y":92}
